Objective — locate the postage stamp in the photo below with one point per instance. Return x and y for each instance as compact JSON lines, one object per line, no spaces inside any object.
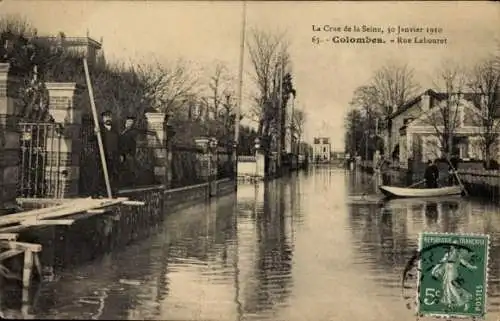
{"x":452,"y":275}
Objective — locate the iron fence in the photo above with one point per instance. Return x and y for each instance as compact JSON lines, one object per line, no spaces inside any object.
{"x":186,"y":166}
{"x":41,"y":160}
{"x":91,"y":172}
{"x":225,"y":164}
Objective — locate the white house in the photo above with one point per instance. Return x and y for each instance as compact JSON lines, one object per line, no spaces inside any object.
{"x":416,"y":130}
{"x":321,"y":149}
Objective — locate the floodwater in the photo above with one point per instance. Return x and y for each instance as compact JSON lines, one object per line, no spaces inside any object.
{"x":291,"y":249}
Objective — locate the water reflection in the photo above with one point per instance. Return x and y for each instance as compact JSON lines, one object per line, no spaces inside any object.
{"x":289,"y":249}
{"x":265,"y":244}
{"x":386,"y":234}
{"x":229,"y":260}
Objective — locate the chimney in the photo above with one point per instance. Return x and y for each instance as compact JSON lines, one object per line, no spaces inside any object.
{"x":425,"y":102}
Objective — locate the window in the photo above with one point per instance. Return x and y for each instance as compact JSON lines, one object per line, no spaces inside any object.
{"x":324,"y":149}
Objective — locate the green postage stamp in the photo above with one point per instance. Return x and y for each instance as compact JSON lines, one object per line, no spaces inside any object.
{"x":453,"y":275}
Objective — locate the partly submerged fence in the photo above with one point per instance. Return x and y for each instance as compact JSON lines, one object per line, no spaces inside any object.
{"x":225,"y":163}
{"x":41,"y":160}
{"x":91,"y":173}
{"x":186,"y":166}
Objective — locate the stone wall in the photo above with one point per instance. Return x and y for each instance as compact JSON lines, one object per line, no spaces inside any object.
{"x":225,"y":186}
{"x":94,"y":234}
{"x":9,"y":136}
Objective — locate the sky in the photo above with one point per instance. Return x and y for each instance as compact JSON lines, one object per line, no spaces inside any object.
{"x":324,"y":75}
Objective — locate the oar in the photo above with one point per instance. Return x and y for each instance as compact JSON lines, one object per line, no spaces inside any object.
{"x":458,"y":178}
{"x":97,"y":128}
{"x":417,"y":183}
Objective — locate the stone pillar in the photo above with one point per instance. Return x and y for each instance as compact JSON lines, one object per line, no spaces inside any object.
{"x":170,"y":135}
{"x":158,"y":143}
{"x":9,"y":137}
{"x":208,"y":161}
{"x":66,"y":147}
{"x":260,"y":160}
{"x":213,"y":166}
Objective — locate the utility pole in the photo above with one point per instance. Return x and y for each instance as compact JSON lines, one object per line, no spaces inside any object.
{"x":280,"y":120}
{"x":240,"y":91}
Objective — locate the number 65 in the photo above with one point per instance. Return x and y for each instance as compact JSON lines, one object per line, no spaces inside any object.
{"x":431,"y":296}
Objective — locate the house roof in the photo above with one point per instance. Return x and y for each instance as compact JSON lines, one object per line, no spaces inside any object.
{"x":440,"y":96}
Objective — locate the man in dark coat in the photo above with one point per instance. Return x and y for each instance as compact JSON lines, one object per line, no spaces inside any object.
{"x":110,"y":141}
{"x":128,"y":146}
{"x":431,"y":175}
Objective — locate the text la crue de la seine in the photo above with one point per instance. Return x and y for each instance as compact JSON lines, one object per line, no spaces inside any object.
{"x":398,"y":34}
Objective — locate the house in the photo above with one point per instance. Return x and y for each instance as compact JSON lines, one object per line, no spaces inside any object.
{"x":321,"y":150}
{"x":91,"y":48}
{"x":416,"y":131}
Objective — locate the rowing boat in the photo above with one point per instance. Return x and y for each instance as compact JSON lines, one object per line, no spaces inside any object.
{"x":393,"y":191}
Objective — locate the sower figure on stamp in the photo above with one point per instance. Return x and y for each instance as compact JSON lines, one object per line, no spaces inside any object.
{"x":447,"y":270}
{"x":110,"y":140}
{"x":128,"y":144}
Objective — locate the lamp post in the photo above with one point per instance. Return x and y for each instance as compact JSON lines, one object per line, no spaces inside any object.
{"x":257,"y":147}
{"x":212,"y":165}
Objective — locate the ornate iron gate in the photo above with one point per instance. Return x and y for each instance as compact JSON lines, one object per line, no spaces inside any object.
{"x":40,"y":168}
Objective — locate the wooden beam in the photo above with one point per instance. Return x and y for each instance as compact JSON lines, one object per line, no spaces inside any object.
{"x":38,"y":265}
{"x":134,"y":203}
{"x":21,"y":246}
{"x":8,"y":236}
{"x":27,"y":271}
{"x":9,"y":254}
{"x":36,"y":222}
{"x":96,"y":211}
{"x":55,"y":201}
{"x":18,"y":217}
{"x":69,"y":208}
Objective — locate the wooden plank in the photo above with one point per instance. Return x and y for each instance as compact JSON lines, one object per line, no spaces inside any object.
{"x":80,"y":205}
{"x":134,"y":203}
{"x":9,"y":254}
{"x":55,"y":201}
{"x":73,"y":210}
{"x":38,"y":265}
{"x":36,"y":222}
{"x":8,"y":236}
{"x":96,"y":211}
{"x":22,"y":246}
{"x":18,"y":217}
{"x":27,"y":271}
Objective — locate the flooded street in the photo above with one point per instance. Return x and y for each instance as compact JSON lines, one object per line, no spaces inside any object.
{"x":290,"y":249}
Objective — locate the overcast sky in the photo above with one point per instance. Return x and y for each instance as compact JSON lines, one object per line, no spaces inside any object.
{"x":325,"y":76}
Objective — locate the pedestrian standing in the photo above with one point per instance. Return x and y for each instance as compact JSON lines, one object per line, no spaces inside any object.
{"x":128,"y":147}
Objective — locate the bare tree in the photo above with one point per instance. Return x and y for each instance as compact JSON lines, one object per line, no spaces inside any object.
{"x":391,"y":86}
{"x":167,"y":87}
{"x":220,"y":86}
{"x":444,"y":117}
{"x":394,"y":85}
{"x":16,"y":24}
{"x":485,"y":85}
{"x":270,"y":60}
{"x":298,"y":123}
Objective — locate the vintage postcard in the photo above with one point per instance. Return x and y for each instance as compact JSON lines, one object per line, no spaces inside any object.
{"x":249,"y":160}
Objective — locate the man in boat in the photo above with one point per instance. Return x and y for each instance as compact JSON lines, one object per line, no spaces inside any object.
{"x":431,"y":174}
{"x":128,"y":144}
{"x":110,"y":141}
